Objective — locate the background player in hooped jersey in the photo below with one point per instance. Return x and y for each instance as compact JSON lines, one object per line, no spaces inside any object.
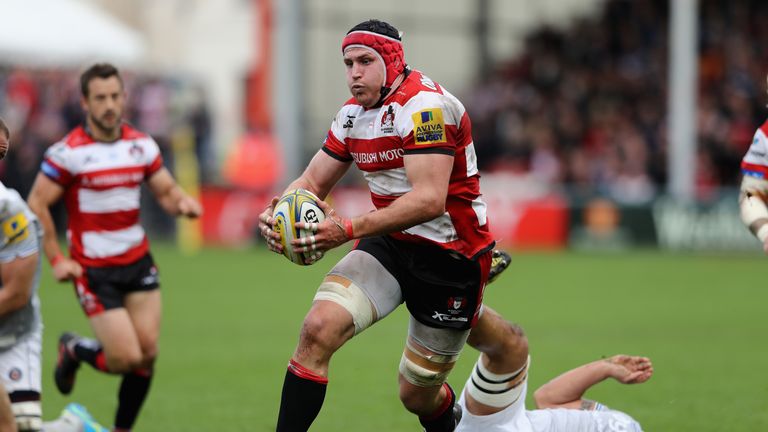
{"x":754,"y":186}
{"x":98,"y":169}
{"x":427,"y":244}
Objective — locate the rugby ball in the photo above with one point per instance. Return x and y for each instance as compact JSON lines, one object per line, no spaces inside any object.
{"x":298,"y":205}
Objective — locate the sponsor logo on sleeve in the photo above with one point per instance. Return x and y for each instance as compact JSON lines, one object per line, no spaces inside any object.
{"x":428,"y":127}
{"x":15,"y":228}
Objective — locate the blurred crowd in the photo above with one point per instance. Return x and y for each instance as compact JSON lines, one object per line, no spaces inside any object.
{"x":42,"y":105}
{"x":586,"y":107}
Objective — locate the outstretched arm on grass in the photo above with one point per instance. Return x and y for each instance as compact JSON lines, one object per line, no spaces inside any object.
{"x":567,"y":390}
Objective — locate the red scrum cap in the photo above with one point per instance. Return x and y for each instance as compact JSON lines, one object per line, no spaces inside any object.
{"x":385,"y":41}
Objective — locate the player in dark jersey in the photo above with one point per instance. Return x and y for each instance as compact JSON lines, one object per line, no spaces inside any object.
{"x":428,"y":243}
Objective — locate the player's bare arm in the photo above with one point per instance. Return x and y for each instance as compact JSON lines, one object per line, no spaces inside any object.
{"x":428,"y":174}
{"x":322,"y":173}
{"x":45,"y":192}
{"x":567,"y":390}
{"x":17,"y":276}
{"x":754,"y":212}
{"x":172,"y":197}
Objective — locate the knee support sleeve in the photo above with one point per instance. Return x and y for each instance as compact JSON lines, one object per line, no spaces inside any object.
{"x":497,"y":390}
{"x":425,"y":370}
{"x":29,"y":416}
{"x":348,"y":295}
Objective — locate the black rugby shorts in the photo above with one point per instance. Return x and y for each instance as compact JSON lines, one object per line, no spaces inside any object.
{"x":441,"y":288}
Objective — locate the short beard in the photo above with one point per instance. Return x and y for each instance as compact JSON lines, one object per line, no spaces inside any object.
{"x":104,"y":129}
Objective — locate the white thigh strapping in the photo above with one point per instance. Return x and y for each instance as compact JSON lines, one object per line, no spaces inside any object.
{"x":365,"y":271}
{"x":20,"y":365}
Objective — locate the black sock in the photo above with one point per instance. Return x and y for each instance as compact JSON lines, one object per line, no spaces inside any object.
{"x":443,"y":420}
{"x":91,"y":352}
{"x":303,"y":395}
{"x":133,"y":391}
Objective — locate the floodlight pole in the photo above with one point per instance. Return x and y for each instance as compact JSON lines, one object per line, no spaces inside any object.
{"x":288,"y":95}
{"x":683,"y":84}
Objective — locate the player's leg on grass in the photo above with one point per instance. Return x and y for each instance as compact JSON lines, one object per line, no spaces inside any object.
{"x":145,"y":311}
{"x":497,"y":378}
{"x":326,"y":328}
{"x":356,"y":293}
{"x":429,"y":356}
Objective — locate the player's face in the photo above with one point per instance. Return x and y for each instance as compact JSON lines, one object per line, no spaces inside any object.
{"x":3,"y":145}
{"x":365,"y":75}
{"x":104,"y":104}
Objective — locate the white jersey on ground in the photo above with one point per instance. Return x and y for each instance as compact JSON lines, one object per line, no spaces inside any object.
{"x":515,"y":418}
{"x":20,"y":237}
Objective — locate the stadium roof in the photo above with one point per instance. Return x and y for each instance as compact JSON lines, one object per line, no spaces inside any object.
{"x":64,"y":33}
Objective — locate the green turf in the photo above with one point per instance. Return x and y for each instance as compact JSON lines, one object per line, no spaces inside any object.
{"x":231,"y":320}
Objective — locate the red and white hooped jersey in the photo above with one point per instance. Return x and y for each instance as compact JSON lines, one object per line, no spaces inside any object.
{"x":755,"y":162}
{"x":102,"y":191}
{"x":419,"y":117}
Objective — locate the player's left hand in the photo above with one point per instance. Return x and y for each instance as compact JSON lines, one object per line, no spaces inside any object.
{"x":631,"y":369}
{"x":189,"y":207}
{"x":267,"y":227}
{"x":328,"y":234}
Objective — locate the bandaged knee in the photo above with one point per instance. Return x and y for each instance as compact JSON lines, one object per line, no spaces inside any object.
{"x":496,"y":390}
{"x":425,"y":370}
{"x":349,"y":296}
{"x":29,"y":416}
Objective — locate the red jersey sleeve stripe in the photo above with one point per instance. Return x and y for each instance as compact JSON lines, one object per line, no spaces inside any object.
{"x":754,"y":170}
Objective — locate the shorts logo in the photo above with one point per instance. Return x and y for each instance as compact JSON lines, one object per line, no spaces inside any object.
{"x":14,"y":374}
{"x":15,"y":228}
{"x":455,"y":309}
{"x":428,"y":127}
{"x":456,"y":303}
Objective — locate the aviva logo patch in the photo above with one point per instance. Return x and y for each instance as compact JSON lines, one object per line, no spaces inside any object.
{"x":428,"y":127}
{"x":15,"y":228}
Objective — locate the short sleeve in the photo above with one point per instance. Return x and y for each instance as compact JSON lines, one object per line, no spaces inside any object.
{"x":56,"y":164}
{"x":334,"y":144}
{"x":154,"y":159}
{"x":427,"y":125}
{"x":755,"y":162}
{"x":16,"y":239}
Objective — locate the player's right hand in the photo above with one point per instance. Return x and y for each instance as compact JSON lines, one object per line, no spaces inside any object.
{"x":67,"y":269}
{"x":267,"y":226}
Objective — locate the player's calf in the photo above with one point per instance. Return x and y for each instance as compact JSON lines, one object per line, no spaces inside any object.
{"x":28,"y":414}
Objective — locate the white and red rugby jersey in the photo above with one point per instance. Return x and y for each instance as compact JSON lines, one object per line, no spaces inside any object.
{"x":755,"y":162}
{"x":102,"y":188}
{"x":419,"y":117}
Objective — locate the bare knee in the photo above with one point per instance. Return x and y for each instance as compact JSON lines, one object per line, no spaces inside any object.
{"x":124,"y":361}
{"x":325,"y":332}
{"x":500,"y":339}
{"x":421,"y":401}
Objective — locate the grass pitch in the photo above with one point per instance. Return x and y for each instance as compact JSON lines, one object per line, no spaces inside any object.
{"x":231,"y":321}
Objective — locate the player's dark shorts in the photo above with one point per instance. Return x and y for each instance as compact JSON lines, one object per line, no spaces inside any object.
{"x":104,"y":288}
{"x":441,"y":288}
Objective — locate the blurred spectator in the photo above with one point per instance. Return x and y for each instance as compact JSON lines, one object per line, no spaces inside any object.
{"x":586,"y":107}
